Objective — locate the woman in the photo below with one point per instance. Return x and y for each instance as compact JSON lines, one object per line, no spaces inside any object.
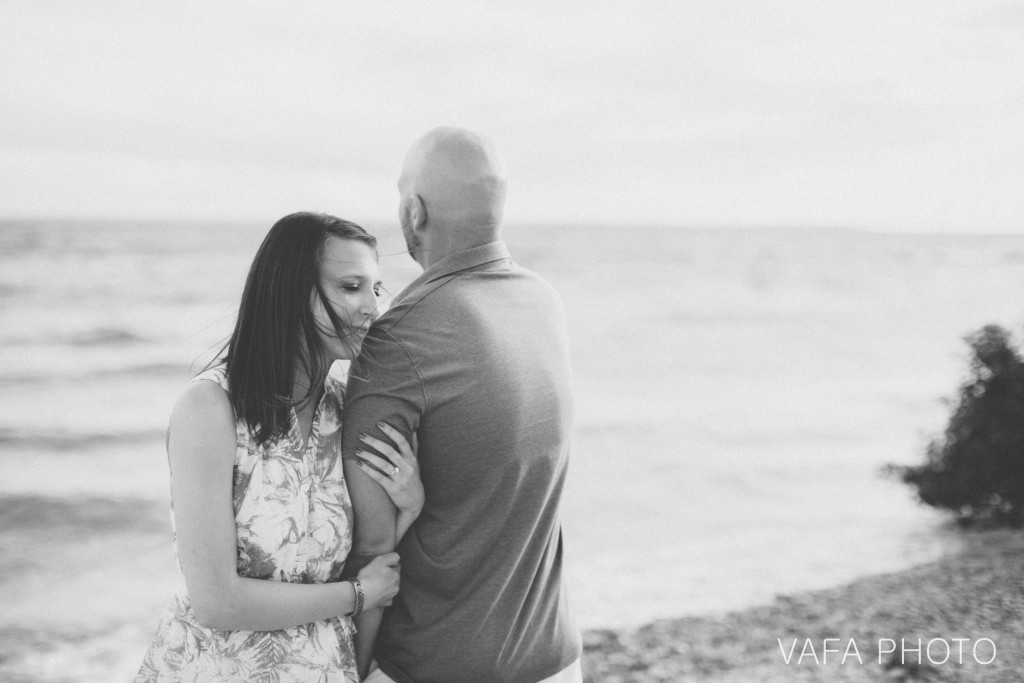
{"x":263,"y":519}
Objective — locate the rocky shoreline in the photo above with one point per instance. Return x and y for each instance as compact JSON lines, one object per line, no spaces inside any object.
{"x":947,"y":608}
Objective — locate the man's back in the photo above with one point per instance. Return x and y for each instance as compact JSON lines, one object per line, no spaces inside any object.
{"x":474,"y":358}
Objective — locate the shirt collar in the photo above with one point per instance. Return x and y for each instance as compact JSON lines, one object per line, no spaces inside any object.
{"x":464,"y":260}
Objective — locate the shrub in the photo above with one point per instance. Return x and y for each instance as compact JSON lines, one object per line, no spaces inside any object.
{"x":976,"y":469}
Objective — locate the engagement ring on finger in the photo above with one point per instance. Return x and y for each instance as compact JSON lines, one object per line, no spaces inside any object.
{"x":394,"y":471}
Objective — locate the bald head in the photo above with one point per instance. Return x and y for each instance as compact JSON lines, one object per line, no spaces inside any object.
{"x":452,"y":189}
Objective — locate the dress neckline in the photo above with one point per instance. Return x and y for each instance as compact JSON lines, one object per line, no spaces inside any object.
{"x":305,"y":446}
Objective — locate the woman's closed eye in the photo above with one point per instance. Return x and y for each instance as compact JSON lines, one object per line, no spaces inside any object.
{"x":354,"y":288}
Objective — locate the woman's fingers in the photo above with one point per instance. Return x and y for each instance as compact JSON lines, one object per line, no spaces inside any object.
{"x":381,"y":447}
{"x":389,"y":559}
{"x":383,"y":465}
{"x":407,"y":451}
{"x":375,"y":474}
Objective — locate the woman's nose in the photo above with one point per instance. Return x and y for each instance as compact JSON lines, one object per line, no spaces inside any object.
{"x":370,"y":307}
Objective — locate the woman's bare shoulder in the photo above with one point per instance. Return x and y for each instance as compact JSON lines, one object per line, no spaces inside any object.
{"x":203,"y":394}
{"x":203,"y":411}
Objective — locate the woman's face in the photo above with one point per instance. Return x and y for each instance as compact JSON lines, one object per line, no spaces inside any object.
{"x":350,"y":278}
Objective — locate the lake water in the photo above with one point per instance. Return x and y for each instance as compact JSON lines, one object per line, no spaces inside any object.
{"x":737,"y":392}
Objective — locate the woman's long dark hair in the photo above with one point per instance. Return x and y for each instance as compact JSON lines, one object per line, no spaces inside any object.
{"x":275,"y":325}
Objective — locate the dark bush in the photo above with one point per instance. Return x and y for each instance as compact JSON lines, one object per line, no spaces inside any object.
{"x":976,"y":469}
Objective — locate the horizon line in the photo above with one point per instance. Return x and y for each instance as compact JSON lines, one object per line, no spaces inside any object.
{"x":6,"y":220}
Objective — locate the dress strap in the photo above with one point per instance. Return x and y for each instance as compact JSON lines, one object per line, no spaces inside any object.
{"x":218,"y":374}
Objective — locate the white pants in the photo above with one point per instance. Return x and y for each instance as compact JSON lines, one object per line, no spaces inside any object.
{"x":570,"y":674}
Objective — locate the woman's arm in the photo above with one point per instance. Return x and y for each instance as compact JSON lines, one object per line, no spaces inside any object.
{"x":397,"y":471}
{"x":201,"y":452}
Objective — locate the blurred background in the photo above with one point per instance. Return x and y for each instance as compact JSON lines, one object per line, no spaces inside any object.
{"x":772,"y":225}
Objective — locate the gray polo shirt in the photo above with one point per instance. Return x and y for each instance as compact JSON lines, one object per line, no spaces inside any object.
{"x":474,"y":359}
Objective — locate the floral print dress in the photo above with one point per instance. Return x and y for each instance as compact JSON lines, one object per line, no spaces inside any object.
{"x":293,"y":517}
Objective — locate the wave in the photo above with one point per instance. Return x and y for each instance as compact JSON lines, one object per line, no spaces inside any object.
{"x":170,"y":371}
{"x":104,"y":336}
{"x":66,"y":517}
{"x":142,"y":370}
{"x":99,"y":336}
{"x":18,"y":238}
{"x":59,"y":440}
{"x":8,"y":290}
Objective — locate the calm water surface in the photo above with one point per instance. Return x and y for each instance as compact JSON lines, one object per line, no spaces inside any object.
{"x":737,"y":392}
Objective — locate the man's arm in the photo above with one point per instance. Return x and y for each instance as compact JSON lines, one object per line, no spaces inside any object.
{"x":383,"y":385}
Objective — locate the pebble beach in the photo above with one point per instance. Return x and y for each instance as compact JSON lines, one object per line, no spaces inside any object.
{"x":960,"y":618}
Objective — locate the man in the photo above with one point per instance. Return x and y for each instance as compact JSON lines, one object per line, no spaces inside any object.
{"x":473,"y":360}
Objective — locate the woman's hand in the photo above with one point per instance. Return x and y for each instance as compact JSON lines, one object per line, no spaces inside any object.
{"x":380,"y":581}
{"x":396,"y":470}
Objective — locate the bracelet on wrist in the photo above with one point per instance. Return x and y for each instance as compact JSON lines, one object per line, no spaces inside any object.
{"x":360,"y":597}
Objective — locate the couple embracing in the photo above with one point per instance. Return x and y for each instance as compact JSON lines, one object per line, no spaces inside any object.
{"x":401,"y":523}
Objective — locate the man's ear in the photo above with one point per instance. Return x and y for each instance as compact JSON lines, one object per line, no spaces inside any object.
{"x":417,"y":212}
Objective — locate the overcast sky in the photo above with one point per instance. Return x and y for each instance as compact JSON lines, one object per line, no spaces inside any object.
{"x":889,"y":115}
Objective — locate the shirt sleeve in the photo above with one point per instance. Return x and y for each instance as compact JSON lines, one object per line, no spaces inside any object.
{"x":384,"y":384}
